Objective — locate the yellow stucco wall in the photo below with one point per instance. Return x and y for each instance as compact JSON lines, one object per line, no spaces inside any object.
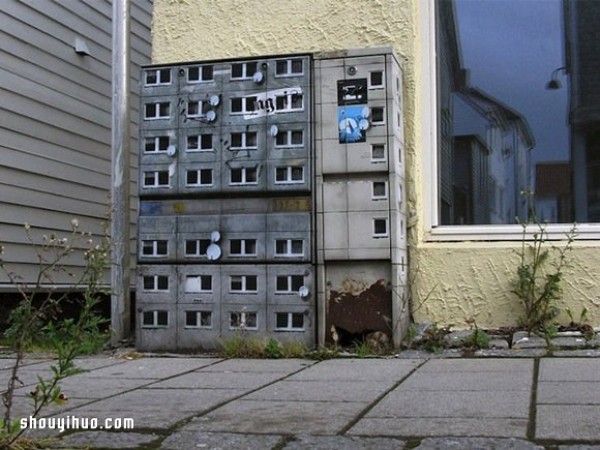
{"x":458,"y":280}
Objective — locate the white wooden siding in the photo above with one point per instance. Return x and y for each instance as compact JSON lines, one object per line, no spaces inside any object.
{"x":55,"y":118}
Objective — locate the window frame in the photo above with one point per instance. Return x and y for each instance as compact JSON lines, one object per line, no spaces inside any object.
{"x":157,"y":111}
{"x":289,"y":246}
{"x":289,"y":175}
{"x":244,"y":281}
{"x":427,"y":96}
{"x":198,"y":314}
{"x":201,"y":279}
{"x":244,"y":176}
{"x":199,"y":172}
{"x":156,"y":174}
{"x":199,"y":147}
{"x":244,"y":243}
{"x":290,"y":321}
{"x":155,"y":245}
{"x":289,"y":278}
{"x":155,"y":313}
{"x":243,"y":319}
{"x":155,"y":283}
{"x":156,"y":147}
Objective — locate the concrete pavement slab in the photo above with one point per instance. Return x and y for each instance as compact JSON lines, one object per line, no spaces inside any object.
{"x":567,"y":422}
{"x":476,"y":444}
{"x":444,"y":426}
{"x":374,"y":370}
{"x":469,"y":381}
{"x":220,"y":380}
{"x":343,"y":442}
{"x":259,"y":365}
{"x":574,"y":393}
{"x":105,"y":439}
{"x":220,"y":441}
{"x":154,"y":368}
{"x":569,"y":369}
{"x":157,"y":408}
{"x":332,"y":391}
{"x":478,"y":365}
{"x":278,"y":417}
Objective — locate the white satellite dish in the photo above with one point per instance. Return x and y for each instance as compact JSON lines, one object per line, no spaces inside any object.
{"x":364,"y":124}
{"x":171,"y":150}
{"x":366,"y":112}
{"x":211,"y":116}
{"x":258,"y":77}
{"x":214,"y":100}
{"x":274,"y":130}
{"x":303,"y":292}
{"x":213,"y":252}
{"x":215,"y":236}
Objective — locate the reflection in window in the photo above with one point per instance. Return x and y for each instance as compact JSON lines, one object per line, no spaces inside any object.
{"x":518,"y":111}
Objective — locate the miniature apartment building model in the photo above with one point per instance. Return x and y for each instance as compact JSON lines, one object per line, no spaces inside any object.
{"x":271,"y":200}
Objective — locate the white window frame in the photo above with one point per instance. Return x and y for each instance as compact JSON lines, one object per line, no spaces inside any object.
{"x":158,"y":74}
{"x":199,"y":147}
{"x":155,"y":284}
{"x":427,"y":96}
{"x":201,"y":78}
{"x":157,"y":108}
{"x":244,"y":135}
{"x":154,"y":245}
{"x":289,"y":170}
{"x":289,"y":63}
{"x":290,"y":284}
{"x":199,"y":114}
{"x":387,"y":228}
{"x":154,"y":323}
{"x":383,"y":112}
{"x":201,"y":280}
{"x":198,"y":246}
{"x":288,"y":102}
{"x":379,"y":160}
{"x":248,"y":105}
{"x":199,"y":183}
{"x":379,"y":197}
{"x":244,"y":315}
{"x":244,"y":176}
{"x":244,"y":281}
{"x":156,"y":177}
{"x":288,"y":139}
{"x":198,"y":314}
{"x":243,"y":251}
{"x":289,"y":246}
{"x":245,"y":74}
{"x":376,"y":86}
{"x":156,"y":145}
{"x":290,"y":322}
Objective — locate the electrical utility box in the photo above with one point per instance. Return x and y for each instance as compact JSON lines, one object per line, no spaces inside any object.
{"x":270,"y":189}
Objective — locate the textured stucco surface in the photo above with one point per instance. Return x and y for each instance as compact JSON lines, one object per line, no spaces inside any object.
{"x":460,"y":280}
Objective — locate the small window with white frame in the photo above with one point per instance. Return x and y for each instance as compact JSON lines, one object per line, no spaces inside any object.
{"x":196,"y":109}
{"x":289,"y":138}
{"x":198,"y":319}
{"x":158,"y":77}
{"x":156,"y":179}
{"x":289,"y":321}
{"x":243,"y":71}
{"x":199,"y":74}
{"x":377,"y":115}
{"x":157,"y":111}
{"x":196,"y":247}
{"x":380,"y":228}
{"x":288,"y":284}
{"x":242,"y":247}
{"x":198,"y":283}
{"x":379,"y":190}
{"x":199,"y":177}
{"x":155,"y":248}
{"x":155,"y":319}
{"x":288,"y":248}
{"x":289,"y":175}
{"x":156,"y":144}
{"x":243,"y":140}
{"x":243,"y":175}
{"x":243,"y":320}
{"x":243,"y":283}
{"x":376,"y":79}
{"x":289,"y":67}
{"x":243,"y":105}
{"x":156,"y":283}
{"x":292,"y":101}
{"x":378,"y":153}
{"x":199,"y":142}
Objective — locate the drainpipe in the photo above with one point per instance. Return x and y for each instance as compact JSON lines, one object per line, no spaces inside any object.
{"x":120,"y":156}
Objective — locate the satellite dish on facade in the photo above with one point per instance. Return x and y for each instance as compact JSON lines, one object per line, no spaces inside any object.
{"x":274,"y":130}
{"x":364,"y":124}
{"x":258,"y":77}
{"x":211,"y":116}
{"x":366,"y":112}
{"x":171,"y":150}
{"x":303,"y":292}
{"x":213,"y":252}
{"x":214,"y":100}
{"x":215,"y":236}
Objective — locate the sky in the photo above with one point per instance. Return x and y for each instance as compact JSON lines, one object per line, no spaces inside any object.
{"x":511,"y":48}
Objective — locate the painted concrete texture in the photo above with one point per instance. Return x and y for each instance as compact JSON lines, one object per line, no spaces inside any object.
{"x":426,"y":403}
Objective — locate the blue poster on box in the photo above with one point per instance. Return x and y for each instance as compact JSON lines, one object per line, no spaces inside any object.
{"x":353,"y":111}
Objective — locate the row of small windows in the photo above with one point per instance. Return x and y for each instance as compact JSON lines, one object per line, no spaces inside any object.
{"x":239,"y":105}
{"x":284,"y":284}
{"x":247,"y":320}
{"x":290,"y":248}
{"x":237,"y":176}
{"x":239,"y":71}
{"x":242,"y":140}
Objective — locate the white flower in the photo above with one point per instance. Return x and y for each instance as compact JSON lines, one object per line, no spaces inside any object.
{"x":74,"y":223}
{"x":27,"y":226}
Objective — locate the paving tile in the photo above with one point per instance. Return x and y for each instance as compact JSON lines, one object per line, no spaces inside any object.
{"x":154,"y":368}
{"x":567,"y":422}
{"x":359,"y":370}
{"x":574,"y":393}
{"x":471,"y":380}
{"x":219,"y":441}
{"x":259,"y":365}
{"x":105,"y":439}
{"x":569,"y":369}
{"x":336,"y":391}
{"x":477,"y":365}
{"x":476,"y":444}
{"x":343,"y":442}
